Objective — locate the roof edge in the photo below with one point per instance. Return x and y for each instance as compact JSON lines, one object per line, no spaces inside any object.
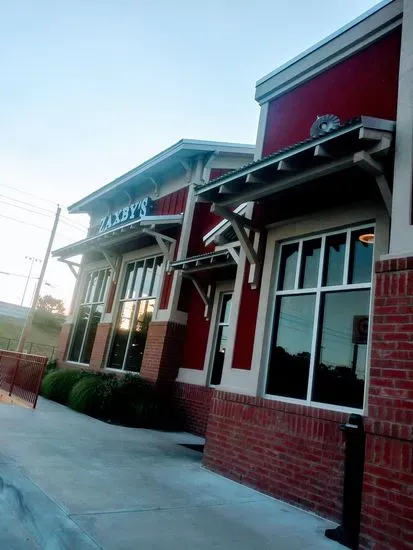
{"x":203,"y":146}
{"x":331,"y":50}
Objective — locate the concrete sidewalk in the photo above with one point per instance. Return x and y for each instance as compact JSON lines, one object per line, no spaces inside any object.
{"x":70,"y":482}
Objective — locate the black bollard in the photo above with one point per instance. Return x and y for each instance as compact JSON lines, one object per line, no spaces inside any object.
{"x":348,"y":532}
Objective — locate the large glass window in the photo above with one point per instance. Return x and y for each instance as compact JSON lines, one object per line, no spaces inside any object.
{"x":89,"y":315}
{"x":137,"y":301}
{"x":319,"y":341}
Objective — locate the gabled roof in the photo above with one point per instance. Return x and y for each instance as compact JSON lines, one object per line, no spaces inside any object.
{"x":183,"y":150}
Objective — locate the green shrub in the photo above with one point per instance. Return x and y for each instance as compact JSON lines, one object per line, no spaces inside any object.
{"x":50,"y":367}
{"x":57,"y":384}
{"x":127,"y":400}
{"x":86,"y":395}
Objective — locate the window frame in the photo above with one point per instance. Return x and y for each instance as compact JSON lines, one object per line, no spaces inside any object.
{"x":220,"y":293}
{"x":85,"y":290}
{"x":318,"y":291}
{"x":128,"y":260}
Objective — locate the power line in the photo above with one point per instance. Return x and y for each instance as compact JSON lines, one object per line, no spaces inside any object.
{"x":50,"y":213}
{"x":27,"y":193}
{"x":24,"y":208}
{"x":32,"y":224}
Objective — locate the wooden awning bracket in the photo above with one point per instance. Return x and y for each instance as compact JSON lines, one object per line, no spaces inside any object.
{"x":73,"y":266}
{"x":365,"y":161}
{"x":207,"y":296}
{"x":242,"y":227}
{"x":165,"y":243}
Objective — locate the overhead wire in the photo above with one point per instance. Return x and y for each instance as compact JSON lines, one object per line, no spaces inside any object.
{"x":32,"y":225}
{"x":45,"y":212}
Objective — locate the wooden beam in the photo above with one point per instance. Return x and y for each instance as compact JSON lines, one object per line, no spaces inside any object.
{"x":371,"y":166}
{"x":230,"y":216}
{"x":291,"y":181}
{"x":285,"y":166}
{"x":321,"y":152}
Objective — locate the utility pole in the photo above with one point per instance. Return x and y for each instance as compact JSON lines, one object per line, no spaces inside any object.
{"x":29,"y":318}
{"x":32,"y":260}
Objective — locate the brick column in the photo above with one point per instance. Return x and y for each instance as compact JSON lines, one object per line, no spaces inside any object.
{"x":163,"y":352}
{"x":387,"y":515}
{"x":100,"y":345}
{"x":63,"y":342}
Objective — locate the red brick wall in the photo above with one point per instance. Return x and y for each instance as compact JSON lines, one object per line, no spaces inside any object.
{"x":387,"y":520}
{"x":163,"y":352}
{"x":100,"y":345}
{"x":292,"y":452}
{"x":193,"y":404}
{"x":63,"y":342}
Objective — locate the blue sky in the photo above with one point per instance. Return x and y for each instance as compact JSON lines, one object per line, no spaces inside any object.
{"x":92,"y":88}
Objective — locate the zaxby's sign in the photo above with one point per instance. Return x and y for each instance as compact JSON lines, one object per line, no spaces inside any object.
{"x":128,"y":214}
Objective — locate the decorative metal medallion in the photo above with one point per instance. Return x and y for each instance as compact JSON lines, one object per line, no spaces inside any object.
{"x":324,"y":124}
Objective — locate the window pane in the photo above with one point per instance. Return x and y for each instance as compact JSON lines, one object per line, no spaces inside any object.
{"x":97,"y":312}
{"x":225,"y":308}
{"x":79,"y":333}
{"x":137,"y":283}
{"x":98,"y":288}
{"x":291,"y":347}
{"x":157,"y":278}
{"x":219,"y":355}
{"x":340,"y":367}
{"x":121,"y":336}
{"x":334,"y":259}
{"x":86,"y":288}
{"x":310,"y":263}
{"x":105,"y":284}
{"x":92,"y":286}
{"x":127,"y":285}
{"x":288,"y":266}
{"x":147,"y":283}
{"x":138,"y":339}
{"x":361,"y":258}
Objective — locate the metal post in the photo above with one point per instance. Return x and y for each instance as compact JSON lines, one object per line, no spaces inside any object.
{"x":348,"y":532}
{"x":29,"y":318}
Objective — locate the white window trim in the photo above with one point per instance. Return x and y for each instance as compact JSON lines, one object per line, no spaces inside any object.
{"x":202,"y":377}
{"x":135,"y":255}
{"x":89,"y":268}
{"x":317,"y":324}
{"x":249,"y":382}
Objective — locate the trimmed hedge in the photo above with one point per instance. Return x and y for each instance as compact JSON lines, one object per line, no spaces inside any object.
{"x":56,"y":385}
{"x":126,"y":400}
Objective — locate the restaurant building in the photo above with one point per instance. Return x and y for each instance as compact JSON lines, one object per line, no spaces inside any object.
{"x":270,"y":288}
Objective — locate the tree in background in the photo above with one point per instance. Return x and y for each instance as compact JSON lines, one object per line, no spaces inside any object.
{"x":50,"y":313}
{"x":51,"y":305}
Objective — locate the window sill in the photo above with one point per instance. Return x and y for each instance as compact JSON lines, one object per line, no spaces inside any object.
{"x":314,"y":404}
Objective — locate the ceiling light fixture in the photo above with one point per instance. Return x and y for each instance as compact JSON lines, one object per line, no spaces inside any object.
{"x":367,"y":238}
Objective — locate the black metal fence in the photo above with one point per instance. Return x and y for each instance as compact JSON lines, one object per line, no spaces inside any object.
{"x":30,"y":347}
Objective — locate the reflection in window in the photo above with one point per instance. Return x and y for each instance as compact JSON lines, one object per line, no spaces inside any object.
{"x":137,"y":302}
{"x":288,"y":266}
{"x":89,"y":315}
{"x":334,"y":260}
{"x":340,"y":366}
{"x":310,"y":263}
{"x":291,"y":348}
{"x":221,"y":339}
{"x":319,"y":345}
{"x":361,"y":258}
